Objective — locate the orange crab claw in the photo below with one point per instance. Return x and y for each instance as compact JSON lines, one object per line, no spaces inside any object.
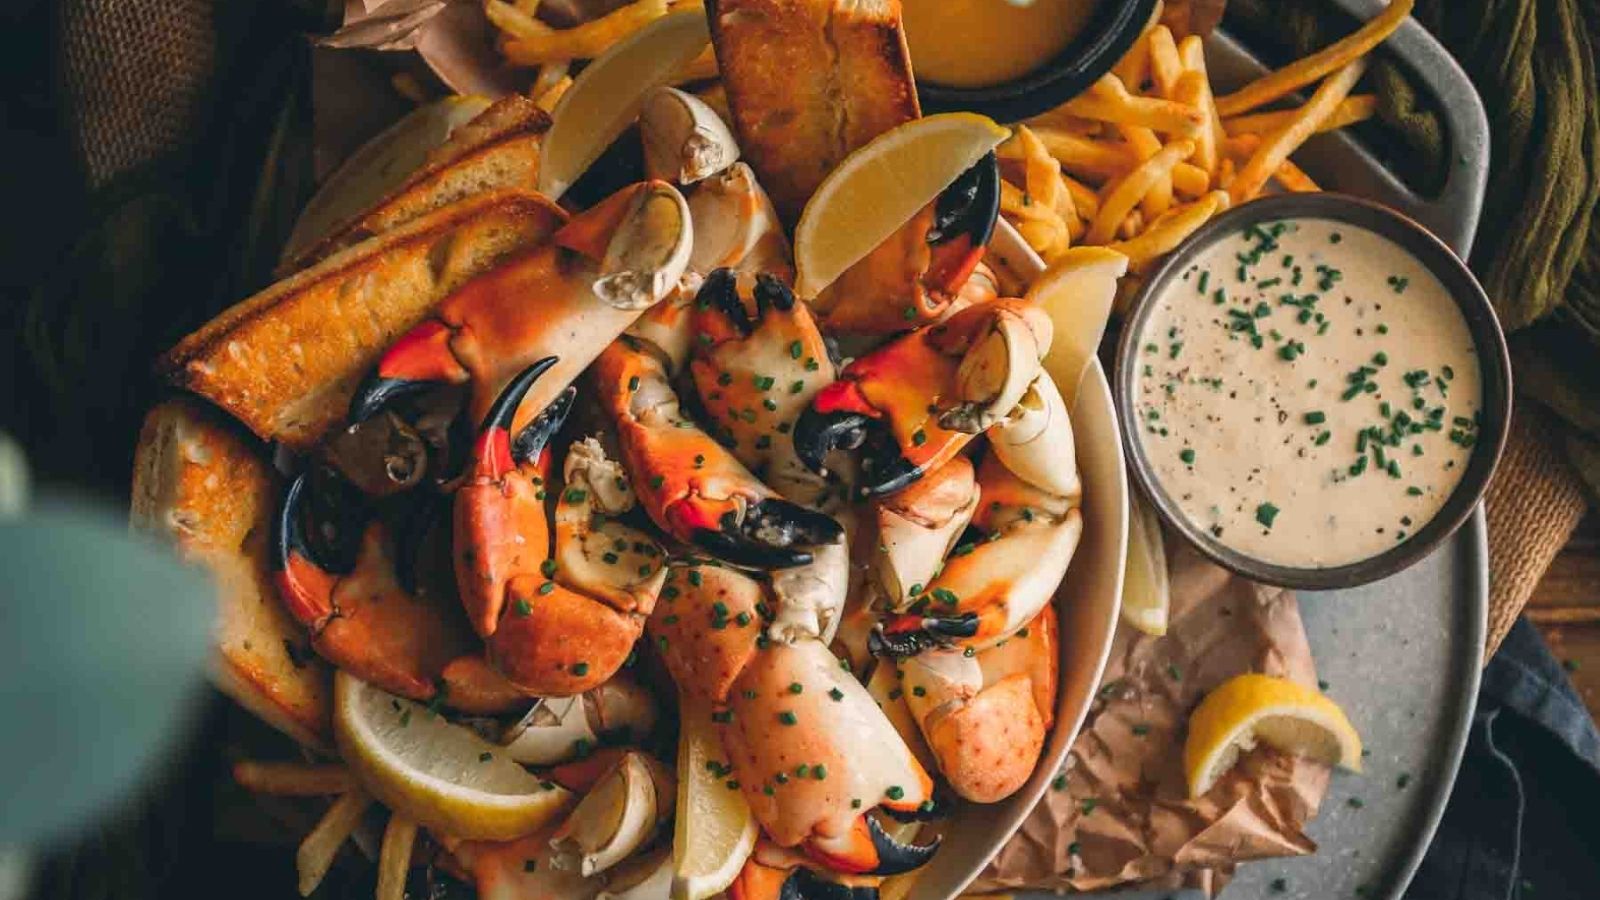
{"x":569,"y":296}
{"x":344,"y":587}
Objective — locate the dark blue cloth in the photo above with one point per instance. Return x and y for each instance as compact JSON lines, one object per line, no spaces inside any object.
{"x":1523,"y":822}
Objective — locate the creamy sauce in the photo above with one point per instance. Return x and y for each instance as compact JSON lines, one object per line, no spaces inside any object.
{"x":977,"y":43}
{"x":1307,"y":392}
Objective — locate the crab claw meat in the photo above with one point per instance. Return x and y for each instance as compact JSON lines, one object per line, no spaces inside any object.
{"x":866,"y":849}
{"x":918,"y":527}
{"x":685,"y":140}
{"x":557,"y":729}
{"x":997,"y":366}
{"x":736,"y":227}
{"x":1035,"y":442}
{"x":618,"y":815}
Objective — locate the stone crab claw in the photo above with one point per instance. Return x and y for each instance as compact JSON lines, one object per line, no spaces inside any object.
{"x":794,"y":727}
{"x":559,"y":622}
{"x":334,"y":561}
{"x":912,"y":277}
{"x":990,"y":588}
{"x":624,"y":809}
{"x":912,"y":404}
{"x":558,"y":729}
{"x":567,"y":298}
{"x":692,"y":486}
{"x":685,"y":141}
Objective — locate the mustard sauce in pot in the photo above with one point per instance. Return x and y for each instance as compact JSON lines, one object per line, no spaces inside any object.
{"x":978,"y":43}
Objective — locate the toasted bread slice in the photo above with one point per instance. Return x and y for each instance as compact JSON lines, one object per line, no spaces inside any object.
{"x":497,"y":149}
{"x":808,"y":81}
{"x":204,"y":484}
{"x":286,"y":361}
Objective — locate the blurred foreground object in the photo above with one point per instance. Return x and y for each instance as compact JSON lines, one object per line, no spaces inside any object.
{"x":103,"y":642}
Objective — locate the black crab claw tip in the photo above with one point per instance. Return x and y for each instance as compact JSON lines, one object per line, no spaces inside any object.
{"x":409,"y":537}
{"x":816,"y":434}
{"x":895,"y":857}
{"x":804,"y":884}
{"x":770,"y":535}
{"x":932,"y":632}
{"x":970,"y":205}
{"x":531,"y":441}
{"x":505,"y":406}
{"x":288,"y":537}
{"x":721,"y":290}
{"x":376,"y":392}
{"x":772,"y":293}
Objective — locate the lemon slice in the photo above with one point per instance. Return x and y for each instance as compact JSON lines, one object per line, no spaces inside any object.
{"x":1279,"y":713}
{"x":715,"y":831}
{"x":1146,"y":591}
{"x":605,"y":99}
{"x":438,"y":773}
{"x":880,"y":186}
{"x":1077,"y":291}
{"x":379,"y":167}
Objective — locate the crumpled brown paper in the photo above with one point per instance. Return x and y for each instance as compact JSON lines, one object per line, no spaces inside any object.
{"x":1124,"y":813}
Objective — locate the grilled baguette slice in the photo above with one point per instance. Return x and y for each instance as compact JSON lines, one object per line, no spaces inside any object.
{"x":499,"y":148}
{"x":808,"y":81}
{"x":204,"y":484}
{"x":286,"y":361}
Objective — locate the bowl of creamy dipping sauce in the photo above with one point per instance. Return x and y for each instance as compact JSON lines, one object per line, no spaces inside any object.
{"x":1315,"y":390}
{"x":1014,"y":59}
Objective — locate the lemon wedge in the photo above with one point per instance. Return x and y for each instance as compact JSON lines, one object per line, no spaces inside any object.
{"x":1277,"y":712}
{"x":1146,"y":590}
{"x":605,"y":99}
{"x":1077,"y":291}
{"x":715,"y":830}
{"x":438,"y":773}
{"x":880,"y":186}
{"x":379,"y":167}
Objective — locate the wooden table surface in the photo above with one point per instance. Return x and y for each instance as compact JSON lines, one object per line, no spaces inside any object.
{"x":1566,"y":607}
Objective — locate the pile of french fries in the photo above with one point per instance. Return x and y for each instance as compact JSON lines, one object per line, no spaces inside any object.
{"x":1149,"y":153}
{"x":527,"y":42}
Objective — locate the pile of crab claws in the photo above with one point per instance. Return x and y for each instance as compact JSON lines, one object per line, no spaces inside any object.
{"x":908,"y":635}
{"x":770,"y":535}
{"x":412,"y":365}
{"x":963,"y":221}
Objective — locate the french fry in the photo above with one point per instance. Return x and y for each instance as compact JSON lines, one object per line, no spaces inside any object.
{"x":531,"y":7}
{"x":1355,"y":108}
{"x":1123,"y":195}
{"x":1225,"y":173}
{"x":547,"y":101}
{"x":1134,"y":66}
{"x":1276,"y":147}
{"x":1335,"y":56}
{"x":1109,"y":101}
{"x":1166,"y":233}
{"x":1196,"y":90}
{"x":585,"y":41}
{"x":1145,"y":144}
{"x":394,"y":859}
{"x":317,"y":851}
{"x":1165,"y":65}
{"x":292,"y":779}
{"x":515,"y":21}
{"x":1096,"y":160}
{"x":1190,"y":181}
{"x":1294,"y":179}
{"x":1045,"y":180}
{"x":550,"y":75}
{"x":1084,"y":199}
{"x":1131,"y":225}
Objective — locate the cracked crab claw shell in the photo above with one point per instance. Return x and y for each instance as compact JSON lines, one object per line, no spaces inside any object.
{"x":647,"y":876}
{"x":1034,"y":440}
{"x":649,"y":251}
{"x":556,"y":728}
{"x":685,"y":141}
{"x":618,"y":815}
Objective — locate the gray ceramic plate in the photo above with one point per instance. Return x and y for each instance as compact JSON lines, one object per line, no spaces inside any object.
{"x":1402,"y":655}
